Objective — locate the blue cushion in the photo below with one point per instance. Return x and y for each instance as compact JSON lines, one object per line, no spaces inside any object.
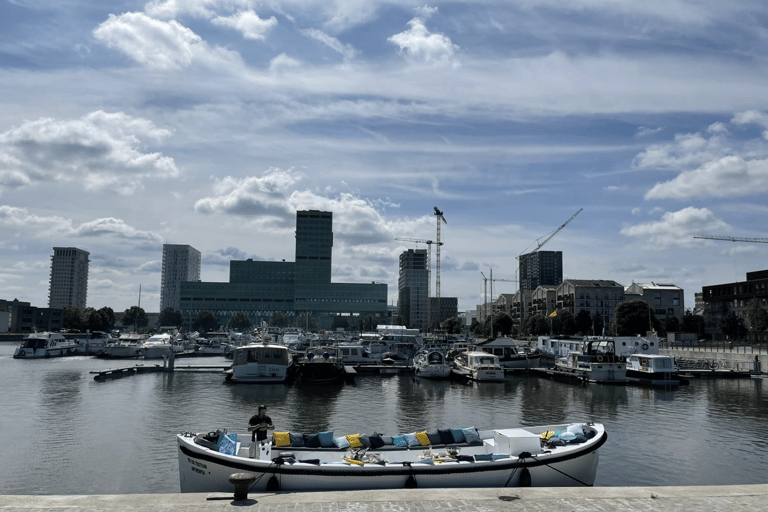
{"x":311,"y":441}
{"x":411,"y":439}
{"x":326,"y":439}
{"x":483,"y":456}
{"x":297,"y":440}
{"x":458,"y":435}
{"x":445,"y":436}
{"x":341,"y":442}
{"x":470,"y":435}
{"x":400,"y":441}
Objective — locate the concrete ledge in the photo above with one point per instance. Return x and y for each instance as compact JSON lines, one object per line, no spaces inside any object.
{"x":727,"y":497}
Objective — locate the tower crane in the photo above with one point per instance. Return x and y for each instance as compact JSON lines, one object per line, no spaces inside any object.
{"x":429,"y":266}
{"x":733,"y":238}
{"x":439,"y":217}
{"x":522,"y":258}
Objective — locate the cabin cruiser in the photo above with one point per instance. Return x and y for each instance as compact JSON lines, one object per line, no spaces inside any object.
{"x":325,"y":367}
{"x":596,"y":362}
{"x":159,"y":346}
{"x":260,"y":363}
{"x":510,"y":354}
{"x":555,"y":455}
{"x":128,"y":345}
{"x":47,"y":344}
{"x":653,"y":370}
{"x":478,"y":366}
{"x":95,"y":342}
{"x":431,"y":364}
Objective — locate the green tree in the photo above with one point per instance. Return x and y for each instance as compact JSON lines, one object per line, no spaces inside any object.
{"x":597,"y":324}
{"x":73,"y":318}
{"x":340,"y":322}
{"x":563,"y":323}
{"x":756,"y":318}
{"x":452,"y":325}
{"x":583,"y":322}
{"x":278,"y":319}
{"x":502,"y":324}
{"x":536,"y":325}
{"x":239,"y":322}
{"x":732,"y":326}
{"x":475,"y":327}
{"x":369,"y":324}
{"x":108,"y":315}
{"x":306,"y":321}
{"x":692,"y":323}
{"x":632,"y":318}
{"x":135,"y":316}
{"x":205,"y":322}
{"x":170,"y":317}
{"x":671,"y":324}
{"x":93,"y":320}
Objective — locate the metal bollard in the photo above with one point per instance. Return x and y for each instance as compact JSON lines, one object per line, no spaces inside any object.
{"x":242,"y":483}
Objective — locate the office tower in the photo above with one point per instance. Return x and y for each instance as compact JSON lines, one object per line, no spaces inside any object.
{"x":181,"y":263}
{"x":541,"y":268}
{"x":69,"y":277}
{"x":413,"y":288}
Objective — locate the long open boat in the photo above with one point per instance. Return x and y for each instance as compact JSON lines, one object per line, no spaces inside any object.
{"x":496,"y":458}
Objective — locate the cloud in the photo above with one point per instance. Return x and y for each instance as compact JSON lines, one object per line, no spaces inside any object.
{"x":422,"y":46}
{"x":222,"y":257}
{"x":101,"y":149}
{"x":752,"y":117}
{"x":676,"y":228}
{"x":247,"y":22}
{"x":251,"y":196}
{"x":645,"y":131}
{"x":346,"y":50}
{"x":116,"y":227}
{"x":687,"y":150}
{"x":160,"y":45}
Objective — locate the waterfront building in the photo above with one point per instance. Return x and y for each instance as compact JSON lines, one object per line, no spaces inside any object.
{"x":543,"y":300}
{"x":721,"y":299}
{"x":597,"y":297}
{"x":413,"y":288}
{"x":448,"y":308}
{"x":181,"y":263}
{"x":666,"y":300}
{"x":541,"y":268}
{"x":259,"y":289}
{"x":23,"y":317}
{"x":69,"y":277}
{"x":520,"y":314}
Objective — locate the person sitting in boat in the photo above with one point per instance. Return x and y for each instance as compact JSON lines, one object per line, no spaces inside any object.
{"x":259,"y":424}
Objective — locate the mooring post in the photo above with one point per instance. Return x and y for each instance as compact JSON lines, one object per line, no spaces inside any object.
{"x":242,"y":483}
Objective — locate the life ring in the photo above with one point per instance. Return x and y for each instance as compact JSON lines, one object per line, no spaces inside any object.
{"x":645,"y":346}
{"x":599,"y":359}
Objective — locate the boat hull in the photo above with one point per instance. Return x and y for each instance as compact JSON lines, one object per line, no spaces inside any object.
{"x":203,"y":470}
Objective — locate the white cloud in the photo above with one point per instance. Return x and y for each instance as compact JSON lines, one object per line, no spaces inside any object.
{"x":421,"y":45}
{"x":687,"y":150}
{"x":645,"y":131}
{"x":676,"y":228}
{"x":251,"y":196}
{"x":283,"y":62}
{"x":159,"y":44}
{"x":347,"y":50}
{"x":247,"y":22}
{"x":102,"y":149}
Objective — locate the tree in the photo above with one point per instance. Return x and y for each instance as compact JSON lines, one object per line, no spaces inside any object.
{"x":108,"y":315}
{"x":732,"y":326}
{"x":475,"y":327}
{"x":136,"y":317}
{"x":452,"y":325}
{"x":632,"y":318}
{"x":93,"y":320}
{"x":563,"y":322}
{"x":278,"y":319}
{"x":692,"y":323}
{"x":340,"y":322}
{"x":170,"y":317}
{"x":536,"y":325}
{"x":306,"y":321}
{"x":671,"y":324}
{"x":756,"y":318}
{"x":206,"y":322}
{"x":239,"y":322}
{"x":502,"y":324}
{"x":583,"y":322}
{"x":73,"y":318}
{"x":369,"y":323}
{"x":597,"y":324}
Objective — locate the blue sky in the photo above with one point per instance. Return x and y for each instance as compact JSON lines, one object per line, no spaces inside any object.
{"x":127,"y":125}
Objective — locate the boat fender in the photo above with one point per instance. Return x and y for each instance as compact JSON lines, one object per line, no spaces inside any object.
{"x":411,"y":482}
{"x":273,"y":485}
{"x":525,"y":478}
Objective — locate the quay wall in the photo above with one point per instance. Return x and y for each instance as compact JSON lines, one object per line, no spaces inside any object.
{"x":734,"y":357}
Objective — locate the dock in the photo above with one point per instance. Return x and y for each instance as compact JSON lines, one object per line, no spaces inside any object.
{"x":127,"y":371}
{"x":734,"y":498}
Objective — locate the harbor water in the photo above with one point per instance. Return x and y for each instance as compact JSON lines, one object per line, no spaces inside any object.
{"x":65,"y":433}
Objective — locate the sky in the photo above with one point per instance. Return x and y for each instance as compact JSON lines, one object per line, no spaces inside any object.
{"x":129,"y":124}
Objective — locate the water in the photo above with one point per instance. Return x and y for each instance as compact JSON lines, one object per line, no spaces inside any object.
{"x":65,"y":433}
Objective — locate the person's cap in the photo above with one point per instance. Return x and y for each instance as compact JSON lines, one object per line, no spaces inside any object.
{"x":262,"y":406}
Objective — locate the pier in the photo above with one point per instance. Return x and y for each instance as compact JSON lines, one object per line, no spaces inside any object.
{"x":127,"y":371}
{"x":734,"y":498}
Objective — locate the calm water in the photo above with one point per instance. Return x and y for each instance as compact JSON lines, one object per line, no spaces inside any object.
{"x":65,"y":433}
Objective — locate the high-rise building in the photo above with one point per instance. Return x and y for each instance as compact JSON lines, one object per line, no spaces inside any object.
{"x":69,"y":277}
{"x":541,"y":268}
{"x":413,"y":288}
{"x":181,"y":263}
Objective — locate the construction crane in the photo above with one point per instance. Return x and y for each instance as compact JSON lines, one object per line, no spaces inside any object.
{"x":440,"y":217}
{"x":429,"y":266}
{"x":733,"y":238}
{"x":485,"y":289}
{"x":522,"y":258}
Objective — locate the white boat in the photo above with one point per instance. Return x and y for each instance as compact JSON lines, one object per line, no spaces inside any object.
{"x":510,"y":354}
{"x":596,"y":362}
{"x":47,"y":344}
{"x":478,"y":366}
{"x":128,"y":345}
{"x":653,"y":370}
{"x":431,"y":364}
{"x":95,"y":342}
{"x":259,"y":363}
{"x":510,"y":457}
{"x":159,"y":346}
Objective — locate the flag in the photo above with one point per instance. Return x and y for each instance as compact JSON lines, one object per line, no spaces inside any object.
{"x":554,"y":313}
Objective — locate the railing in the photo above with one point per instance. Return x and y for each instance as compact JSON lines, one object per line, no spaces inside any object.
{"x":720,"y":347}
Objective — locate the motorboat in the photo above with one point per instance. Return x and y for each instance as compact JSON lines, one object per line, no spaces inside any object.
{"x":545,"y":456}
{"x":127,"y":345}
{"x":47,"y":344}
{"x":511,"y":356}
{"x":95,"y":342}
{"x":159,"y":346}
{"x":325,"y":367}
{"x":653,"y":370}
{"x":259,"y":363}
{"x":431,"y":364}
{"x":596,"y":362}
{"x":478,"y":366}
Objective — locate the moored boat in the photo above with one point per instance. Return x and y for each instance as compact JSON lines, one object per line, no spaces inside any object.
{"x":596,"y":362}
{"x":47,"y":344}
{"x":431,"y":365}
{"x":653,"y":370}
{"x":511,"y":356}
{"x":551,"y":455}
{"x":259,"y":363}
{"x":478,"y":366}
{"x":127,"y":345}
